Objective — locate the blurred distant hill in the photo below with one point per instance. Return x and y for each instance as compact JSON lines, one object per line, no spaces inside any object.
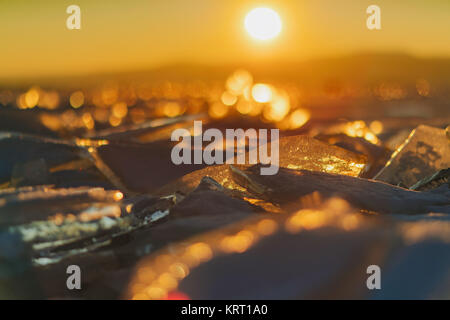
{"x":364,"y":68}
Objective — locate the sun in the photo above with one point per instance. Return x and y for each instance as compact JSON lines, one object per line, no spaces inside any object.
{"x":263,"y":23}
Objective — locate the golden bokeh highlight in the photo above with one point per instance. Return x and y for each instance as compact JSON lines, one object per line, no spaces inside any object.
{"x":228,"y":98}
{"x":32,"y":97}
{"x":376,"y":127}
{"x":267,"y":227}
{"x":298,"y":118}
{"x":278,"y":108}
{"x":76,"y":99}
{"x":116,"y":105}
{"x":239,"y":81}
{"x":238,"y":243}
{"x":172,"y":109}
{"x":88,"y":121}
{"x":358,"y":129}
{"x":262,"y":93}
{"x":423,"y":87}
{"x":217,"y":110}
{"x":120,"y":109}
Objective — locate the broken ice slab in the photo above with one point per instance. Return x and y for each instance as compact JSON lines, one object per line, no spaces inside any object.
{"x":101,"y":226}
{"x":24,"y":121}
{"x":208,"y":208}
{"x":35,"y":160}
{"x":17,"y":148}
{"x":30,"y":173}
{"x":142,"y":167}
{"x":205,"y":209}
{"x":288,"y":187}
{"x":24,"y":205}
{"x":439,"y":178}
{"x":424,"y":152}
{"x":296,"y":152}
{"x":377,"y":155}
{"x":147,"y":167}
{"x":190,"y":181}
{"x":17,"y":278}
{"x":305,"y":153}
{"x":146,"y":132}
{"x":139,"y":167}
{"x":98,"y":226}
{"x":207,"y":198}
{"x":397,"y":139}
{"x":310,"y":253}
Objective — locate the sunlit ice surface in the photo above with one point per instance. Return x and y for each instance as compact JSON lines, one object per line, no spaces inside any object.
{"x":263,"y":23}
{"x":173,"y":272}
{"x":129,"y":116}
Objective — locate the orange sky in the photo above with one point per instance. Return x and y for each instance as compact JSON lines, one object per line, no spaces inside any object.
{"x":135,"y":34}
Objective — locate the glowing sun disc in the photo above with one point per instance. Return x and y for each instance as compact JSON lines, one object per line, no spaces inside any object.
{"x":263,"y":23}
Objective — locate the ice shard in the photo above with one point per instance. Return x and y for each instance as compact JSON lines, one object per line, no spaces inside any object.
{"x":424,"y":152}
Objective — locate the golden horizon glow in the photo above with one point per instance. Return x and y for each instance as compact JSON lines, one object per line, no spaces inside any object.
{"x":132,"y":35}
{"x":263,"y":23}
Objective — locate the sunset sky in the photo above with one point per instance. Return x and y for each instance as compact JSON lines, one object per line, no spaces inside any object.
{"x":140,"y":34}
